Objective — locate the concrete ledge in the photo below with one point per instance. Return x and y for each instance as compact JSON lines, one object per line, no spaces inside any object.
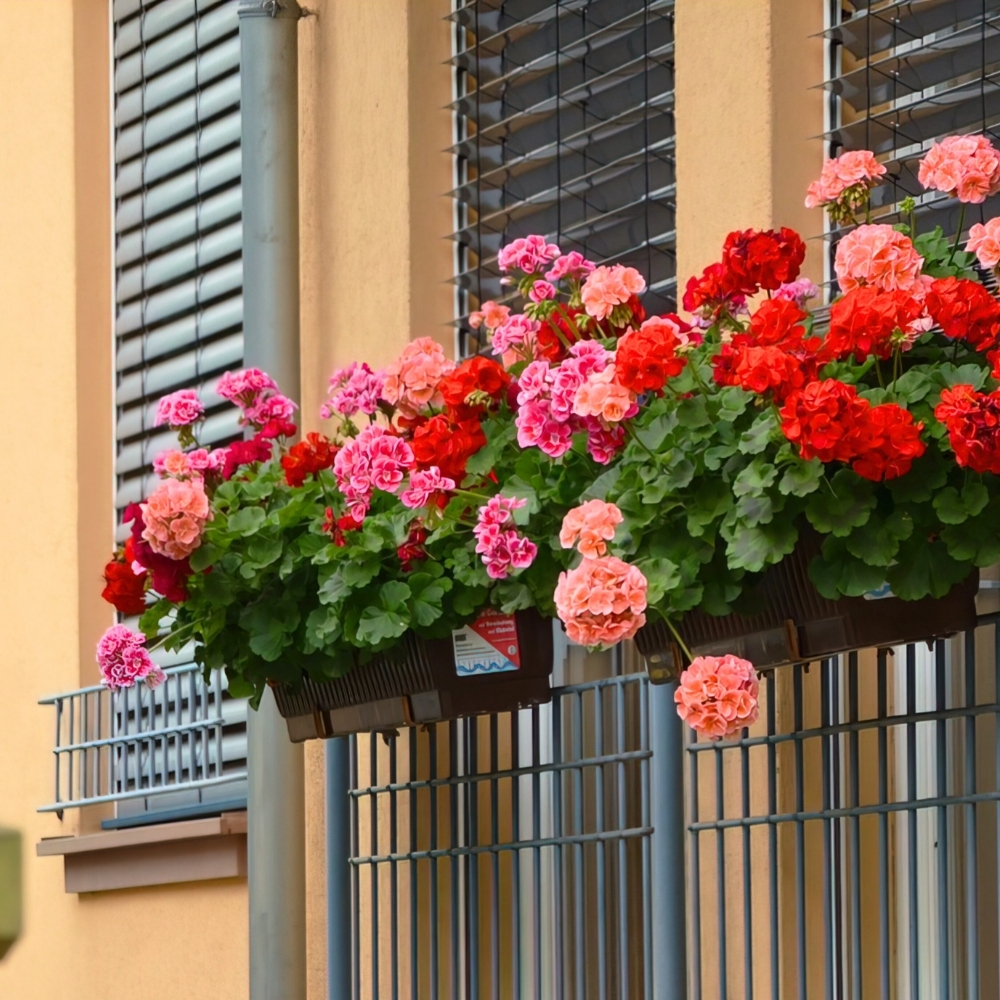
{"x":192,"y":851}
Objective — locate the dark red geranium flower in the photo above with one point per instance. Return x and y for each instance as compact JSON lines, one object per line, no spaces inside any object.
{"x":278,"y":427}
{"x":715,"y":290}
{"x":124,"y":588}
{"x":168,"y":577}
{"x":647,"y":357}
{"x":307,"y":458}
{"x":336,"y":527}
{"x":868,"y":322}
{"x":973,"y":422}
{"x":965,"y":310}
{"x":257,"y":449}
{"x":483,"y":379}
{"x":412,"y":550}
{"x":448,"y":444}
{"x":766,"y":259}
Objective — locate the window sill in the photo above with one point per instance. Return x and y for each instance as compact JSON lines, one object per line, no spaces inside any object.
{"x":192,"y":851}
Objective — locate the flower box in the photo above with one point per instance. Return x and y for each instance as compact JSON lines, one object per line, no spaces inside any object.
{"x":797,"y":624}
{"x":419,"y":683}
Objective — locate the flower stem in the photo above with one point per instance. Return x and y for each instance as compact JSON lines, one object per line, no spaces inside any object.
{"x":571,"y":322}
{"x":958,"y":234}
{"x":680,"y":641}
{"x":170,"y":634}
{"x":631,"y":434}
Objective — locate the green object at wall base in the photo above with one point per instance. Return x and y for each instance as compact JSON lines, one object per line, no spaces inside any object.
{"x":10,"y":889}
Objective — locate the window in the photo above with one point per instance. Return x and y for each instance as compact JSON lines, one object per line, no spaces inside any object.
{"x":564,"y":117}
{"x":178,"y":269}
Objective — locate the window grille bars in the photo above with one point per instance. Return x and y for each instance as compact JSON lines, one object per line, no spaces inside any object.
{"x":182,"y":740}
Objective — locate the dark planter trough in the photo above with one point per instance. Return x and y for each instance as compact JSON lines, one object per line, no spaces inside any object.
{"x":419,"y":683}
{"x":800,"y":625}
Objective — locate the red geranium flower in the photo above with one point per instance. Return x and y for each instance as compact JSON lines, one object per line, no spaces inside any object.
{"x":715,"y":289}
{"x":766,"y":259}
{"x":307,"y":458}
{"x":124,"y":588}
{"x":412,"y":549}
{"x":447,"y":444}
{"x":257,"y":449}
{"x":866,"y":322}
{"x":336,"y":527}
{"x":893,"y":442}
{"x":826,"y":420}
{"x":973,"y":422}
{"x":647,"y":357}
{"x":168,"y":576}
{"x":778,"y":322}
{"x":965,"y":310}
{"x":479,"y":375}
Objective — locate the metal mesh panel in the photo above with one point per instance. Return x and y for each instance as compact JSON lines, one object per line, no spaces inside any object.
{"x":565,"y":127}
{"x":507,"y":856}
{"x":847,"y":846}
{"x":904,"y":73}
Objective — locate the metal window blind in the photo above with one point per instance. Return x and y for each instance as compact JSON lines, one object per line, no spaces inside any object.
{"x":564,"y":117}
{"x":178,"y":274}
{"x":905,"y":73}
{"x":178,"y":235}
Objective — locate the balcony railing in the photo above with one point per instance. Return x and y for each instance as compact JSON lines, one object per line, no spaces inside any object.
{"x":181,"y":743}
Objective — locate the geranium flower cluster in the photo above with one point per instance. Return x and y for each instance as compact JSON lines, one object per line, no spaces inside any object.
{"x":829,"y":421}
{"x":603,"y":600}
{"x":354,"y":389}
{"x":498,"y":542}
{"x":124,"y":661}
{"x":845,"y":183}
{"x":375,"y":459}
{"x":718,"y":696}
{"x":973,"y":422}
{"x":966,"y":166}
{"x":262,"y":405}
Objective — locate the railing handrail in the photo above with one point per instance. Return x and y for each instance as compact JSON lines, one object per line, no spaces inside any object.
{"x":184,"y":668}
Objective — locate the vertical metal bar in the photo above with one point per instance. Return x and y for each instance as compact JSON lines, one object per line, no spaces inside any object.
{"x":971,"y":846}
{"x":720,"y":872}
{"x":747,"y":873}
{"x":647,"y":864}
{"x":914,"y":912}
{"x":355,"y":868}
{"x":667,"y":886}
{"x":854,"y":844}
{"x":454,"y":839}
{"x":623,"y":915}
{"x":392,"y":740}
{"x":339,"y":928}
{"x":558,"y":894}
{"x":579,"y":886}
{"x":472,"y":860}
{"x":536,"y":852}
{"x":515,"y":881}
{"x":374,"y":850}
{"x":602,"y":910}
{"x":495,"y":856}
{"x":883,"y":824}
{"x":414,"y":871}
{"x":944,"y":950}
{"x":58,"y":752}
{"x":772,"y":836}
{"x":825,"y":782}
{"x":435,"y":885}
{"x":800,"y":842}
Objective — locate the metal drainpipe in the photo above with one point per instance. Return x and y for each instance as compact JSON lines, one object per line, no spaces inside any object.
{"x":669,"y":875}
{"x":276,"y":834}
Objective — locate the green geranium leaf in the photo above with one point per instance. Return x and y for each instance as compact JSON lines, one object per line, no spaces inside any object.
{"x":693,"y":413}
{"x":247,"y":521}
{"x":513,"y":595}
{"x":655,"y":432}
{"x":428,"y":590}
{"x":733,"y":402}
{"x":149,"y":621}
{"x":847,"y":504}
{"x":755,"y":478}
{"x":602,"y":485}
{"x":270,"y":623}
{"x":754,"y":547}
{"x":360,"y":572}
{"x":333,"y":588}
{"x":837,"y":573}
{"x":752,"y":510}
{"x":377,"y":625}
{"x":393,"y":595}
{"x":263,"y":551}
{"x":756,"y":439}
{"x":322,"y":628}
{"x":877,"y":542}
{"x":712,"y":500}
{"x":801,"y":478}
{"x":237,"y":686}
{"x":977,"y":540}
{"x":926,"y":568}
{"x":662,"y":576}
{"x":928,"y":473}
{"x":204,"y":556}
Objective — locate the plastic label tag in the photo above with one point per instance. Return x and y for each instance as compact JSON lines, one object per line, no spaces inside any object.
{"x":882,"y":592}
{"x":487,"y":646}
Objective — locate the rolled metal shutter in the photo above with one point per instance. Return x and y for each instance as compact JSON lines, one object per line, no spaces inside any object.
{"x":178,"y":231}
{"x":178,"y":276}
{"x":905,"y":74}
{"x":565,"y":125}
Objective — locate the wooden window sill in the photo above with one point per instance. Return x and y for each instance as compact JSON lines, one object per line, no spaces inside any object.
{"x":191,"y":851}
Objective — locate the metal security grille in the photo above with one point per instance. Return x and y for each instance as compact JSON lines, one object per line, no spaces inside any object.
{"x":178,"y":267}
{"x":178,"y":234}
{"x":564,"y":116}
{"x":507,"y":856}
{"x":848,"y":847}
{"x":904,"y":73}
{"x":180,"y":745}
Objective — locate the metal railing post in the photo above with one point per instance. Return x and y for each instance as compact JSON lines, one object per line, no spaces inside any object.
{"x":276,"y":800}
{"x":669,"y":871}
{"x":338,"y":869}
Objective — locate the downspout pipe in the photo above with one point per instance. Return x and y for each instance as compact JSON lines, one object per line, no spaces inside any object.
{"x":276,"y":798}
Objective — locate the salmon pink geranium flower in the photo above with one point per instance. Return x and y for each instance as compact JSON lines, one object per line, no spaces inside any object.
{"x":879,"y":256}
{"x":175,"y":516}
{"x":590,"y":527}
{"x":412,"y":380}
{"x":718,"y":696}
{"x":602,"y":601}
{"x":966,"y":166}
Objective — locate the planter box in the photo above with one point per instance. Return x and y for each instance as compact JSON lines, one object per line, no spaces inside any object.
{"x":421,"y":683}
{"x":800,"y":625}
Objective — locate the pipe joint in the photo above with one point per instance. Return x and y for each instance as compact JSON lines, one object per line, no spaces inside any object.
{"x":270,"y":8}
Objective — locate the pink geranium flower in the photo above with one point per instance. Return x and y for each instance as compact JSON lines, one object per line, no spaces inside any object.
{"x":412,"y":380}
{"x":966,"y":166}
{"x":530,"y":254}
{"x":718,"y":696}
{"x":491,"y":315}
{"x":499,"y":543}
{"x":600,"y":396}
{"x":984,"y":242}
{"x":845,"y":181}
{"x":423,"y":485}
{"x":573,"y":266}
{"x":354,"y":389}
{"x":607,"y":287}
{"x":123,"y":660}
{"x":375,"y":459}
{"x":243,"y":387}
{"x":879,"y":256}
{"x":590,"y":527}
{"x":179,"y":409}
{"x":272,"y":407}
{"x":602,"y":601}
{"x":516,"y":335}
{"x":175,"y":516}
